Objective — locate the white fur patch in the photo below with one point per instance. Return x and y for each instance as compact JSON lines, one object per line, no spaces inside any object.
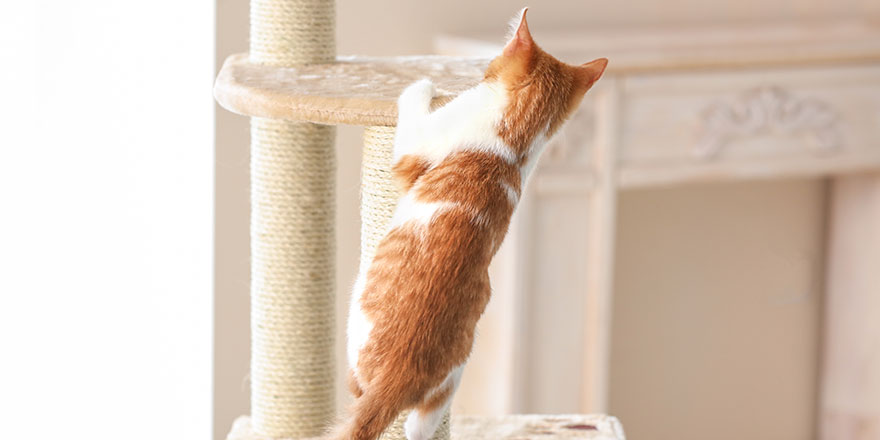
{"x":469,"y":122}
{"x":500,"y":150}
{"x":512,"y":195}
{"x":359,"y":327}
{"x":413,"y":108}
{"x":411,"y":210}
{"x":535,"y":150}
{"x":513,"y":25}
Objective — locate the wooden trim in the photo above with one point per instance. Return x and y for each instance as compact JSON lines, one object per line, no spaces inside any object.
{"x":849,"y":406}
{"x":567,"y":183}
{"x":600,"y":273}
{"x":667,"y":49}
{"x":807,"y":165}
{"x":524,"y":285}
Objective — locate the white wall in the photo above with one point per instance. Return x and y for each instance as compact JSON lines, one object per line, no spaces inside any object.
{"x":232,"y":240}
{"x":106,"y":168}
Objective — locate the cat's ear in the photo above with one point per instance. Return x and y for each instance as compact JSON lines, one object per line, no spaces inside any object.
{"x":520,"y":42}
{"x":589,"y":73}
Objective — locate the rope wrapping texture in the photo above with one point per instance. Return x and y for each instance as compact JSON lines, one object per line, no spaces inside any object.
{"x":293,"y":246}
{"x":290,"y":32}
{"x":293,"y":282}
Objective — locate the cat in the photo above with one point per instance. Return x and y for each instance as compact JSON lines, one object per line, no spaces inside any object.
{"x":461,"y":170}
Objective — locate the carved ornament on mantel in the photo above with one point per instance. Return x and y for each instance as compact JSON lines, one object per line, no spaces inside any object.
{"x":767,"y":110}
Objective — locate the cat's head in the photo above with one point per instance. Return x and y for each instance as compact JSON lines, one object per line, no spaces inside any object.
{"x":542,"y":91}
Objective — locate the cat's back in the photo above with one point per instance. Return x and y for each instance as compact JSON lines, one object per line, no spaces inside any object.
{"x":476,"y":180}
{"x":428,"y":280}
{"x":449,"y":224}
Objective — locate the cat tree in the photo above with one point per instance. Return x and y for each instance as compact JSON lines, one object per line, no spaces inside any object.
{"x":294,"y":88}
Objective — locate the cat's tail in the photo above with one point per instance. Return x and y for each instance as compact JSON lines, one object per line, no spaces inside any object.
{"x":371,"y":413}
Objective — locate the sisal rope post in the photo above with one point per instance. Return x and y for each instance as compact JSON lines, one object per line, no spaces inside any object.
{"x":378,"y":199}
{"x":293,"y":169}
{"x":291,"y":32}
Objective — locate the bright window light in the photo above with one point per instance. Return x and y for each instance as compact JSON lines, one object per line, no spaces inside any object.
{"x":106,"y":177}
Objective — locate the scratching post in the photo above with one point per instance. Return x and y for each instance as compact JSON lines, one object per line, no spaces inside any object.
{"x":378,"y":193}
{"x":292,"y":249}
{"x":292,"y":235}
{"x":292,"y":32}
{"x":378,"y":199}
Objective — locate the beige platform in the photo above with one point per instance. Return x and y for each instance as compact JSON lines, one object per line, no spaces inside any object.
{"x":354,"y":90}
{"x":519,"y":427}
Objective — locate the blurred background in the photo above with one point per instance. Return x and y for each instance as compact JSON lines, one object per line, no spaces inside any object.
{"x":124,"y":253}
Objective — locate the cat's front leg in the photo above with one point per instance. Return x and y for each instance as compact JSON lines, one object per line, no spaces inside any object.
{"x":413,"y":108}
{"x":415,"y":101}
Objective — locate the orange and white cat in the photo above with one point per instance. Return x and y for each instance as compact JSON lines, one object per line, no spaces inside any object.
{"x":461,"y":170}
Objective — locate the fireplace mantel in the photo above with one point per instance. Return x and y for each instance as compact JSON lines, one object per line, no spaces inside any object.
{"x":691,"y":106}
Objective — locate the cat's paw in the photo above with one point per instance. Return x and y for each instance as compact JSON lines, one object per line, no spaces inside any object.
{"x":423,"y":88}
{"x":417,"y":96}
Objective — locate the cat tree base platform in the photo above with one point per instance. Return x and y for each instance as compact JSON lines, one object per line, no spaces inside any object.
{"x":519,"y":427}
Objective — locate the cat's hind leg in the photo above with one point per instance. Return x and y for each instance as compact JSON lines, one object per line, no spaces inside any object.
{"x":424,"y":420}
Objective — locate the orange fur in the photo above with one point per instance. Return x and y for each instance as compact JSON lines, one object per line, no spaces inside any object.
{"x":353,"y":386}
{"x":543,"y":90}
{"x":428,"y":285}
{"x":407,"y":169}
{"x":436,"y":399}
